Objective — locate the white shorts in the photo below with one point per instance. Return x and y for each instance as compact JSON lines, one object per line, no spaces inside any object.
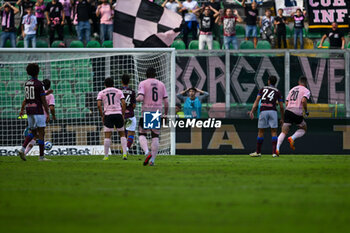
{"x":130,"y":124}
{"x":36,"y":121}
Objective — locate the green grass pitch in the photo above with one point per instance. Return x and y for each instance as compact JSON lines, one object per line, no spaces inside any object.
{"x":180,"y":194}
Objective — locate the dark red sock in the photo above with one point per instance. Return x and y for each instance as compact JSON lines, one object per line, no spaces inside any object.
{"x":27,"y":141}
{"x":130,"y":141}
{"x":259,"y":144}
{"x":274,"y":144}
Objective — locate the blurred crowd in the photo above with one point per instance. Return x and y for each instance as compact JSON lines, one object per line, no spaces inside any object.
{"x":207,"y":21}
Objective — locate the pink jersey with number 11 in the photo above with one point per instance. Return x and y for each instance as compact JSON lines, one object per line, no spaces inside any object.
{"x":111,"y":100}
{"x":154,"y":92}
{"x":295,"y":97}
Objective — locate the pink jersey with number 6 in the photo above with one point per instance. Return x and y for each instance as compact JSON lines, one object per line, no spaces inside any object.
{"x":111,"y":100}
{"x":154,"y":92}
{"x":295,"y":97}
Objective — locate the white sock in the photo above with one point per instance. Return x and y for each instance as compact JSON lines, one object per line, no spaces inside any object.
{"x":298,"y":134}
{"x":107,"y":145}
{"x":281,"y":137}
{"x":124,"y":143}
{"x":144,"y":144}
{"x":154,"y":146}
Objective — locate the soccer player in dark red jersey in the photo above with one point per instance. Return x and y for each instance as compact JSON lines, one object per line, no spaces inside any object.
{"x":130,"y":100}
{"x":35,"y":104}
{"x":269,"y":97}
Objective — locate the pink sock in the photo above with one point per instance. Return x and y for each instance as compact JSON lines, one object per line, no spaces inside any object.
{"x":298,"y":134}
{"x":280,"y":140}
{"x":143,"y":143}
{"x":29,"y":146}
{"x":155,"y":146}
{"x":107,"y":145}
{"x":124,"y":144}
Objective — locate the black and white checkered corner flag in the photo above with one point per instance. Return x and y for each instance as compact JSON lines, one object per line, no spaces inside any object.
{"x":141,"y":23}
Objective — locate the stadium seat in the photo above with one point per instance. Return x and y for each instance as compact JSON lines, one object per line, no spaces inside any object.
{"x":83,"y":87}
{"x":216,"y":45}
{"x":240,"y":31}
{"x":56,"y":43}
{"x":246,"y":44}
{"x":93,"y":44}
{"x":2,"y":87}
{"x":74,"y":113}
{"x":313,"y":35}
{"x":288,"y":32}
{"x":14,"y":88}
{"x":41,"y":44}
{"x":193,"y":45}
{"x":69,"y":101}
{"x":54,"y":74}
{"x":81,"y":101}
{"x":82,"y":63}
{"x":67,"y":74}
{"x":178,"y":44}
{"x":107,"y":44}
{"x":9,"y":113}
{"x":8,"y":44}
{"x":6,"y":100}
{"x":5,"y":74}
{"x":83,"y":74}
{"x":349,"y":45}
{"x":63,"y":87}
{"x":263,"y":44}
{"x":76,"y":44}
{"x":20,"y":44}
{"x":325,"y":44}
{"x":59,"y":112}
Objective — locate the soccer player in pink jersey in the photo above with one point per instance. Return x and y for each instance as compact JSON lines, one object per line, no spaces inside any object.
{"x":50,"y":99}
{"x":112,"y":115}
{"x":296,"y":102}
{"x":152,"y":93}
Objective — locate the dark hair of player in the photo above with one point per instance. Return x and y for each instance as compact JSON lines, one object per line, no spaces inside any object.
{"x":47,"y":84}
{"x":273,"y":80}
{"x":125,"y":79}
{"x":33,"y":70}
{"x":151,"y":72}
{"x":109,"y":82}
{"x":303,"y":80}
{"x":193,"y":89}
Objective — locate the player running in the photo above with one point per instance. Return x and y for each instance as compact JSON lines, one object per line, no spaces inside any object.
{"x":269,"y":96}
{"x":50,"y":99}
{"x":296,"y":102}
{"x":35,"y":105}
{"x":130,"y":101}
{"x":152,"y":93}
{"x":112,"y":115}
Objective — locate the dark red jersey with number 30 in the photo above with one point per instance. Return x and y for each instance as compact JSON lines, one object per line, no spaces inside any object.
{"x":269,"y":98}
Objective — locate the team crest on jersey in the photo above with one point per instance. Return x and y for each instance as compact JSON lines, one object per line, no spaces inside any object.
{"x":151,"y":120}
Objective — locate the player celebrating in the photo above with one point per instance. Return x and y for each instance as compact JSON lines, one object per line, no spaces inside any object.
{"x":50,"y":99}
{"x":296,"y":102}
{"x":34,"y":102}
{"x":130,"y":119}
{"x":269,"y":96}
{"x":112,"y":115}
{"x":152,"y":93}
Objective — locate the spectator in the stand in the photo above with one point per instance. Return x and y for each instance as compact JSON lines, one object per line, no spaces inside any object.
{"x":193,"y":104}
{"x":229,"y":21}
{"x":173,"y":5}
{"x":206,"y":26}
{"x":23,"y":6}
{"x":178,"y":111}
{"x":190,"y":18}
{"x":251,"y":13}
{"x":336,"y":38}
{"x":216,"y":30}
{"x":8,"y":24}
{"x":40,"y":16}
{"x":67,"y":7}
{"x":95,"y":29}
{"x":105,"y":12}
{"x":84,"y":14}
{"x":55,"y":19}
{"x":280,"y":28}
{"x":299,"y":18}
{"x":29,"y":25}
{"x":266,"y":25}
